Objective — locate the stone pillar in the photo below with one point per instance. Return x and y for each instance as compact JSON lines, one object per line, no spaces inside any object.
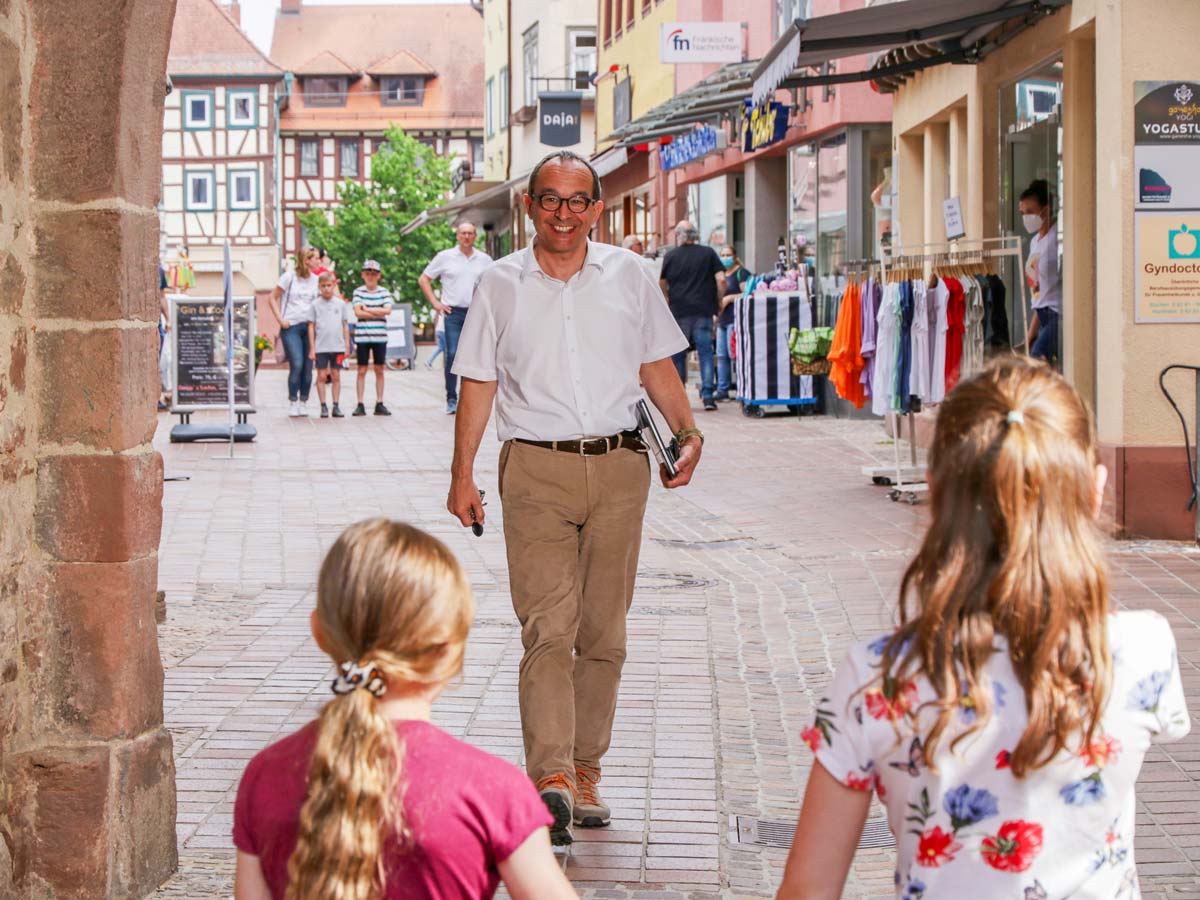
{"x":766,"y":186}
{"x":910,"y":151}
{"x":87,"y":797}
{"x":959,"y":169}
{"x":936,"y":176}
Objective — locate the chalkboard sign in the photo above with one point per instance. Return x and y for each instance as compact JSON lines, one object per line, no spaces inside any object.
{"x":198,"y":353}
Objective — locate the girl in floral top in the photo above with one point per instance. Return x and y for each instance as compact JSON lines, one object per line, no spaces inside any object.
{"x":1004,"y":723}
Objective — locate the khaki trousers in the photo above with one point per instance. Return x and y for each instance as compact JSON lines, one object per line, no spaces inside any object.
{"x":573,"y":529}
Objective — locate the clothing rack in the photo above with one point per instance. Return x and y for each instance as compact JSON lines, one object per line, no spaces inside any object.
{"x":909,"y":481}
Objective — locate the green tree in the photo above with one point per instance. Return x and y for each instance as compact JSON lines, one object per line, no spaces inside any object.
{"x":407,"y":178}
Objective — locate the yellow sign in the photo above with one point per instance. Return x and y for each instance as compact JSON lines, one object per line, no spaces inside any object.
{"x":1167,"y":281}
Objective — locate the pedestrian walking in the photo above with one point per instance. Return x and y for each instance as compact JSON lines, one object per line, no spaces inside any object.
{"x":458,"y":269}
{"x":692,"y":279}
{"x":372,"y":305}
{"x":559,"y":336}
{"x":329,"y":338}
{"x":439,"y":335}
{"x":1041,"y":269}
{"x":291,"y":304}
{"x":736,"y":276}
{"x":371,"y":799}
{"x":1004,"y":722}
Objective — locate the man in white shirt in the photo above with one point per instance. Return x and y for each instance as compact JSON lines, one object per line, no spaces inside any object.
{"x":558,"y":337}
{"x":458,"y":268}
{"x":1045,"y":279}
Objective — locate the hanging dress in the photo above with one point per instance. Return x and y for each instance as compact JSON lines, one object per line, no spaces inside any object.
{"x":845,"y":353}
{"x":937,"y":375}
{"x":887,"y":334}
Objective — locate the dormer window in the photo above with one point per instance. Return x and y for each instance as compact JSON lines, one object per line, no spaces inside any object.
{"x":403,"y":90}
{"x":325,"y":91}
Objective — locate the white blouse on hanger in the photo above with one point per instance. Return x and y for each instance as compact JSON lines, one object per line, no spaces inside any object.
{"x":941,"y":304}
{"x":919,"y":374}
{"x":887,"y":333}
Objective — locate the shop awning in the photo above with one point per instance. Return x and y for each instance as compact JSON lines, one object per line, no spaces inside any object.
{"x":719,"y":93}
{"x":913,"y":35}
{"x":487,"y":202}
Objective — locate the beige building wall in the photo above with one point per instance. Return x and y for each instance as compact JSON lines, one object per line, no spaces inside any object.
{"x":636,"y":51}
{"x":951,"y":113}
{"x":495,"y":58}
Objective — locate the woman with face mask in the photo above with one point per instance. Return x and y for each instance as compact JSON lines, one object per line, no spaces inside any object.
{"x":1041,"y":269}
{"x":736,"y":276}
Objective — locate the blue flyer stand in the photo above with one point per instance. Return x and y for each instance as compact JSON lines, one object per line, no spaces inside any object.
{"x":762,"y":323}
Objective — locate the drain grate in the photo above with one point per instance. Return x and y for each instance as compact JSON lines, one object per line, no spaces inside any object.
{"x":768,"y":833}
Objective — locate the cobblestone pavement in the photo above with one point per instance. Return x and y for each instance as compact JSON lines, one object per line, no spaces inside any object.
{"x":752,"y":582}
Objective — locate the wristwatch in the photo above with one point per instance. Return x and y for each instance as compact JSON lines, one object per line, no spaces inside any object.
{"x":684,"y":433}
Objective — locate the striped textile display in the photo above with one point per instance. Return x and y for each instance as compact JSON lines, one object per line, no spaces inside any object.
{"x":764,"y":367}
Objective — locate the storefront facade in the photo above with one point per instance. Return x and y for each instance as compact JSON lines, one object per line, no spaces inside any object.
{"x":1056,"y":102}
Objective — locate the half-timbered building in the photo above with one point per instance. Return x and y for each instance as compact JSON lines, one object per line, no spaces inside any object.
{"x":359,"y":69}
{"x":218,"y":153}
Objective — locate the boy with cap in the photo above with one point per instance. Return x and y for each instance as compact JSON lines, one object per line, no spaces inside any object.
{"x":328,"y":339}
{"x":372,"y":304}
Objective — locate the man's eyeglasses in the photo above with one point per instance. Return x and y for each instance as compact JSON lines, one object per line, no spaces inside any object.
{"x":551,"y":202}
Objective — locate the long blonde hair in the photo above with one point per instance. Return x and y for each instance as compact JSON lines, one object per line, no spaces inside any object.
{"x":394,"y":596}
{"x":301,"y":261}
{"x":1014,"y":549}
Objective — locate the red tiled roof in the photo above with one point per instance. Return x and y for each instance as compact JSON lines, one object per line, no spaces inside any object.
{"x":446,"y":37}
{"x":205,"y":41}
{"x":402,"y":62}
{"x":326,"y":63}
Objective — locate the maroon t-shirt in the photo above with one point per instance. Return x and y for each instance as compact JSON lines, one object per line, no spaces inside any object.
{"x":467,"y":811}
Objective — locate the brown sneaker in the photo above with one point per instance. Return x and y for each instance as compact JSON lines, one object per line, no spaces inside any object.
{"x":589,"y":811}
{"x":556,"y":792}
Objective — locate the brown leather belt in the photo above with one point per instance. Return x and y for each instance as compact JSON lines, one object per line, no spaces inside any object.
{"x":597,"y":446}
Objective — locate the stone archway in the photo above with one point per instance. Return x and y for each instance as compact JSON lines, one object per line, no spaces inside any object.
{"x":87,"y":794}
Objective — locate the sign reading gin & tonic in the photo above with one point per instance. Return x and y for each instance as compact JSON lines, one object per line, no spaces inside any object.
{"x":1167,"y":281}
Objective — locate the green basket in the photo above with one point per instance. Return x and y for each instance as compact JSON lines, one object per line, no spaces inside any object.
{"x":811,"y":344}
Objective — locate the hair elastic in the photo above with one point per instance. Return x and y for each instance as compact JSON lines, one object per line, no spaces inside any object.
{"x":356,"y":675}
{"x":1016,"y":417}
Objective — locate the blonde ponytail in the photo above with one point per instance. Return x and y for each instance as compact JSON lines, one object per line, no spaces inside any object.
{"x":394,"y":598}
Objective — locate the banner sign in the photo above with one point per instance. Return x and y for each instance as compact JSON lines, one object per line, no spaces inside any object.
{"x":693,"y":42}
{"x":763,"y":126}
{"x":688,"y":148}
{"x":622,"y":103}
{"x":1166,"y":160}
{"x":561,"y":114}
{"x":201,"y":369}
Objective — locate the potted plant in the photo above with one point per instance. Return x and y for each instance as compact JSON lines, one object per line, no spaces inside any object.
{"x":262,"y":343}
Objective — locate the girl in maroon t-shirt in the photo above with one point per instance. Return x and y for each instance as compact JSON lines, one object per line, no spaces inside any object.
{"x":371,"y":801}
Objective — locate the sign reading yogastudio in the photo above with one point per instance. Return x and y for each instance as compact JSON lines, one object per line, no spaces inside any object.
{"x":560,"y":113}
{"x":1166,"y":192}
{"x":688,"y":148}
{"x":691,"y":42}
{"x":763,"y":125}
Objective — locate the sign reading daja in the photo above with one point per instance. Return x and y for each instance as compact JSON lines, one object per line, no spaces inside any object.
{"x":764,"y":125}
{"x":560,"y":113}
{"x":691,"y":42}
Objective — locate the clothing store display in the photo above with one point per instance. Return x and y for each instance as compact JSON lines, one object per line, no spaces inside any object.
{"x":922,"y":359}
{"x":887,"y":335}
{"x":956,"y":315}
{"x":901,"y":396}
{"x":845,"y":356}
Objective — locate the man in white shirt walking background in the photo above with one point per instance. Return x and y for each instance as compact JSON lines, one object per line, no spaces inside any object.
{"x":559,"y":336}
{"x":458,"y":268}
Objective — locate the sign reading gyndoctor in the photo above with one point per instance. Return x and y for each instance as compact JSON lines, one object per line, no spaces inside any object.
{"x":560,"y":114}
{"x":1166,"y":158}
{"x":692,"y":42}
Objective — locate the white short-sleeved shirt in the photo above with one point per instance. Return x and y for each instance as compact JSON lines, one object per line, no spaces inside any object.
{"x":458,"y":274}
{"x":974,"y":830}
{"x":566,"y":357}
{"x":329,"y":317}
{"x":299,"y":294}
{"x":1043,"y":259}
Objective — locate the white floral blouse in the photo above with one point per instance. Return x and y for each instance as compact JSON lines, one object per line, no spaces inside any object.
{"x":974,"y":830}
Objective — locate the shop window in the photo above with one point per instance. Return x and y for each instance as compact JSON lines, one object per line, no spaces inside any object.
{"x":877,"y":194}
{"x":832,"y":221}
{"x":802,"y":218}
{"x":310,"y":158}
{"x":322,"y":91}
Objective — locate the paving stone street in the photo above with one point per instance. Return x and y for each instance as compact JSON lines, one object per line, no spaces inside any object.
{"x":752,"y":581}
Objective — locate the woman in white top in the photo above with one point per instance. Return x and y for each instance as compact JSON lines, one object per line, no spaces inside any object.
{"x":1003,"y":724}
{"x":291,"y":304}
{"x":1037,"y":214}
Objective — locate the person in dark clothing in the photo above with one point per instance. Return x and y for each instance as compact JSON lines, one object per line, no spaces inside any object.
{"x":692,"y":279}
{"x":736,"y":276}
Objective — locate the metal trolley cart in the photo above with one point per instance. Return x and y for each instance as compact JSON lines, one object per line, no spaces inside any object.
{"x":762,"y":324}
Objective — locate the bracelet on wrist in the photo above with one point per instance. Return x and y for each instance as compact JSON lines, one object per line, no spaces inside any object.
{"x":684,"y":433}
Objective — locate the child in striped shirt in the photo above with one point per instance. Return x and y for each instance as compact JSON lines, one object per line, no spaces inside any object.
{"x":372,"y":304}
